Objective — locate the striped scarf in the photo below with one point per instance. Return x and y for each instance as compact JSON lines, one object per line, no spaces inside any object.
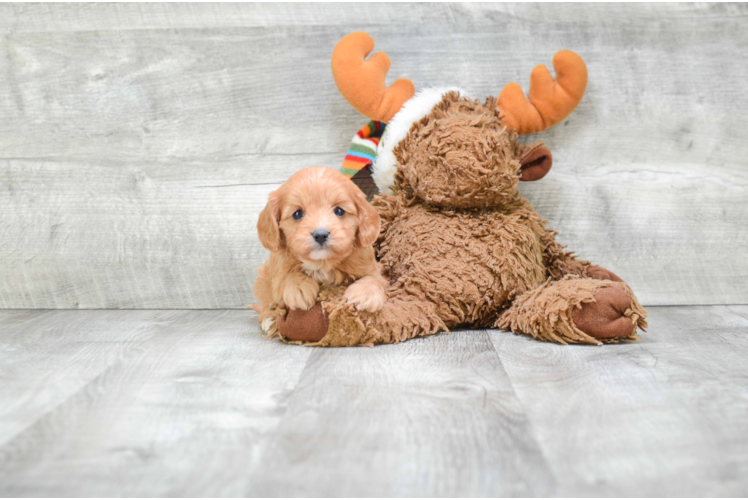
{"x":363,"y":150}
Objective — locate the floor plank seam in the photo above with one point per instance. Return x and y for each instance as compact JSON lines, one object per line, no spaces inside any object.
{"x":82,"y":388}
{"x":530,"y":424}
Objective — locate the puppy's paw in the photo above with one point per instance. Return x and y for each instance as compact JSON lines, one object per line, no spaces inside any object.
{"x":302,"y":295}
{"x":270,"y":327}
{"x":366,"y":295}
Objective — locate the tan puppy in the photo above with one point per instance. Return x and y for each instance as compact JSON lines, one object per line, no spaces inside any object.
{"x":320,"y":230}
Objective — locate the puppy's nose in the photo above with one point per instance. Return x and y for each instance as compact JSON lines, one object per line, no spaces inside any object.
{"x":320,"y":236}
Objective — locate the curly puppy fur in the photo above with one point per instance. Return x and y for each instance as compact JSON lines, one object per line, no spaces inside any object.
{"x":461,"y":247}
{"x":312,"y":200}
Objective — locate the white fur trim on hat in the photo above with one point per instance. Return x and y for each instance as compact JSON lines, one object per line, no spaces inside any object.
{"x":397,"y":129}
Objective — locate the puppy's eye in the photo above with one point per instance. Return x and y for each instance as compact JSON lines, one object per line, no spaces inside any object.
{"x":339,"y":211}
{"x":297,"y":215}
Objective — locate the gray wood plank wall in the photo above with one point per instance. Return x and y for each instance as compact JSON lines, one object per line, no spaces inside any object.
{"x":138,"y":142}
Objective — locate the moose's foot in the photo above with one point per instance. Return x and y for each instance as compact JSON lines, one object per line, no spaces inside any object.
{"x":304,"y":326}
{"x":610,"y":316}
{"x":577,"y":310}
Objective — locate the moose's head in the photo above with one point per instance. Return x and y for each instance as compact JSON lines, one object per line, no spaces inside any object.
{"x":446,"y":148}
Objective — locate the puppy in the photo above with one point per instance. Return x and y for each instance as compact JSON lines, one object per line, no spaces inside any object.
{"x":320,"y":230}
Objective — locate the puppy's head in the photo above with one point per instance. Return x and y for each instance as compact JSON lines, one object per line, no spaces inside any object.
{"x":318,"y":214}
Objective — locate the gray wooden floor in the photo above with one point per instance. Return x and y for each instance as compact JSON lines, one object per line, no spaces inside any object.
{"x":198,"y":403}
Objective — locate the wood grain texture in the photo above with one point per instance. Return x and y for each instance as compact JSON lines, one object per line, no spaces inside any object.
{"x":186,"y":411}
{"x":114,"y":114}
{"x":664,"y":416}
{"x":47,"y":357}
{"x":197,"y":403}
{"x":90,"y":17}
{"x":131,"y":236}
{"x":430,"y":417}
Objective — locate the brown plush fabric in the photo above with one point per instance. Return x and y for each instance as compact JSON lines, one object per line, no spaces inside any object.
{"x":601,"y":273}
{"x":559,"y":262}
{"x":303,"y":326}
{"x":459,"y":156}
{"x":548,"y":313}
{"x":536,"y":163}
{"x":461,"y":248}
{"x":402,"y":318}
{"x":610,"y":315}
{"x":469,"y":264}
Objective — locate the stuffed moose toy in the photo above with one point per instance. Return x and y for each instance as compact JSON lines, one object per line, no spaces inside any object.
{"x":458,"y":244}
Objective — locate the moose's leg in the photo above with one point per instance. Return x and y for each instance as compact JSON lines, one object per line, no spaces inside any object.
{"x":577,"y":310}
{"x":600,"y":273}
{"x":335,"y":323}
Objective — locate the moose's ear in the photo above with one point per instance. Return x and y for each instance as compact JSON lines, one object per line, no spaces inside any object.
{"x":536,"y":161}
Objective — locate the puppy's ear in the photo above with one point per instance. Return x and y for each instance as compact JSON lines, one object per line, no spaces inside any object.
{"x":267,"y":225}
{"x":368,"y":219}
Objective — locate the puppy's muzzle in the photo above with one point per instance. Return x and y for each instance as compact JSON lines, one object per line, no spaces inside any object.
{"x":321,"y":236}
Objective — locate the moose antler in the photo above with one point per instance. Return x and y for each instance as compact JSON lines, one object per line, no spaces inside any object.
{"x":362,"y":82}
{"x":550,"y":100}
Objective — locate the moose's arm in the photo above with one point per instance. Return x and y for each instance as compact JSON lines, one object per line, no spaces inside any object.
{"x":558,"y":261}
